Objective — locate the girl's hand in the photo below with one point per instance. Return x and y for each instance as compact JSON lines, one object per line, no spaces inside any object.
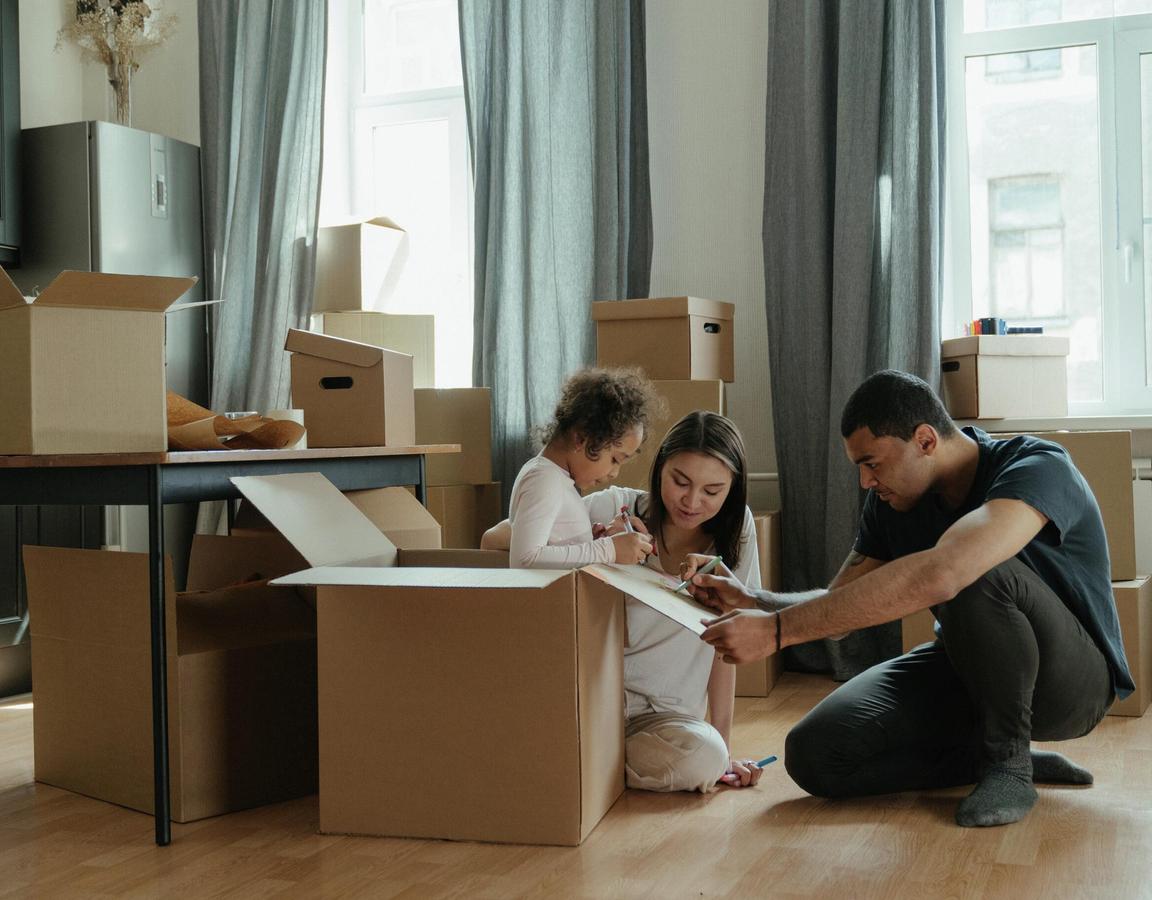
{"x":616,"y":526}
{"x":632,"y":548}
{"x":599,"y":530}
{"x":741,"y":773}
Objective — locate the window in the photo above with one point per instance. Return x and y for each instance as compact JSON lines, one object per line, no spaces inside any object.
{"x":1050,"y":210}
{"x":396,"y":145}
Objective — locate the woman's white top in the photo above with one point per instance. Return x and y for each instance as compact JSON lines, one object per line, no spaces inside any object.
{"x":666,"y":666}
{"x":550,"y":524}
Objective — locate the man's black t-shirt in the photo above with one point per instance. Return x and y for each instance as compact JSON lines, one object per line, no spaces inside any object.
{"x":1070,"y":553}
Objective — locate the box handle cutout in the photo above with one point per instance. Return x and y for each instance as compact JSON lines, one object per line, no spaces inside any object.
{"x":336,"y":383}
{"x":711,"y":327}
{"x":950,"y":365}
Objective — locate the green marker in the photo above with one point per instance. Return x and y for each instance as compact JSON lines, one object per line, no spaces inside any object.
{"x":703,"y":570}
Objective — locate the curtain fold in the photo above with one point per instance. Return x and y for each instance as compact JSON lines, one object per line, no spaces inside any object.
{"x":852,"y":258}
{"x":261,"y":119}
{"x":557,"y":120}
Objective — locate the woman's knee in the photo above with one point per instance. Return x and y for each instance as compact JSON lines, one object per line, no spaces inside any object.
{"x":676,"y":756}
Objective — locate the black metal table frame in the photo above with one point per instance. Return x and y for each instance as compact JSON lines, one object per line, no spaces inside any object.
{"x":155,"y":484}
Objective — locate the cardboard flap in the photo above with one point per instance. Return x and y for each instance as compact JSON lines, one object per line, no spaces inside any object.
{"x":98,"y":290}
{"x":218,"y":561}
{"x":356,"y":576}
{"x":653,"y":590}
{"x":661,"y":308}
{"x":246,"y":615}
{"x":324,"y":346}
{"x":318,"y":520}
{"x":10,"y":295}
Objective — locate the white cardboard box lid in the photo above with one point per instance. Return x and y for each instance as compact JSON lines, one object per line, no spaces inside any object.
{"x":320,"y":522}
{"x":355,"y":576}
{"x":101,"y":290}
{"x":1005,"y":345}
{"x":325,"y":346}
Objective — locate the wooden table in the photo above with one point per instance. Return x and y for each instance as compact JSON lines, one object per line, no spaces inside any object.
{"x":153,"y":479}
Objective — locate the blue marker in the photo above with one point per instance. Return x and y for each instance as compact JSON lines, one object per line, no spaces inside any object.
{"x":767,"y":761}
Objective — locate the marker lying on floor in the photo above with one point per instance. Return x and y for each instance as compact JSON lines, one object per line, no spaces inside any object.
{"x":703,"y":570}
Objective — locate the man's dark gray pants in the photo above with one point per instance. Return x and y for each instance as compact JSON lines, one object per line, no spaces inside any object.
{"x":1014,"y":666}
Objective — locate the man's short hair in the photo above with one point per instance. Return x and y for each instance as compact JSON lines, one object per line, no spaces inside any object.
{"x":894,"y":403}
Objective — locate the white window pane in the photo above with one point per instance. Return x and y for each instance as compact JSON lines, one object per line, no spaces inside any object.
{"x":985,"y":15}
{"x":411,"y":45}
{"x":1146,"y":206}
{"x":1033,"y":155}
{"x":411,"y":184}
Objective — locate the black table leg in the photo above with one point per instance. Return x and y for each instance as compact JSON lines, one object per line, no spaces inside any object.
{"x":422,"y":486}
{"x":163,"y":801}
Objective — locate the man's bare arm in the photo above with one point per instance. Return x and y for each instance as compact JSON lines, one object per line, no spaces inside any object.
{"x":854,"y":566}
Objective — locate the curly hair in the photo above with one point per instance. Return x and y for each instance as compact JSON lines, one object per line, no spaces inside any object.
{"x":601,"y":406}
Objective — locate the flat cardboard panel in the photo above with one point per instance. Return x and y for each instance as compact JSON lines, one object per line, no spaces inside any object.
{"x":682,"y":397}
{"x":1134,"y":606}
{"x":1104,"y":458}
{"x":400,"y":516}
{"x":296,"y":504}
{"x":388,"y":705}
{"x":654,"y":590}
{"x":413,"y":335}
{"x":460,"y":559}
{"x":101,"y":290}
{"x":217,"y":560}
{"x":464,"y":511}
{"x":756,"y":679}
{"x":456,"y":416}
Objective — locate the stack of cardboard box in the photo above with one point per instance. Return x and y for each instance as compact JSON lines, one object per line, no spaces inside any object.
{"x":1105,"y":460}
{"x":684,"y":344}
{"x":357,"y":269}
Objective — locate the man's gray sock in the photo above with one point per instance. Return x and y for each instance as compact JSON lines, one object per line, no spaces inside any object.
{"x":1053,"y":768}
{"x":1003,"y":795}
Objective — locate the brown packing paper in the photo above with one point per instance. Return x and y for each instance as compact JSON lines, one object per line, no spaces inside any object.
{"x":193,"y":427}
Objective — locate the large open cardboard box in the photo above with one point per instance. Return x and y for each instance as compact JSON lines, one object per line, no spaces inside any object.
{"x":456,"y":416}
{"x":82,"y":365}
{"x":518,"y":673}
{"x":241,"y":677}
{"x":1001,"y":376}
{"x":352,"y":394}
{"x":670,"y":338}
{"x":414,"y":335}
{"x":681,"y":397}
{"x":756,"y":679}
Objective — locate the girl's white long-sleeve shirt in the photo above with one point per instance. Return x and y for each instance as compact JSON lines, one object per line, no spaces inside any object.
{"x":550,"y":524}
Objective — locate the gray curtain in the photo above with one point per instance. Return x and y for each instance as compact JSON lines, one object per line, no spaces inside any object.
{"x":261,"y":116}
{"x":557,"y":119}
{"x":852,"y":233}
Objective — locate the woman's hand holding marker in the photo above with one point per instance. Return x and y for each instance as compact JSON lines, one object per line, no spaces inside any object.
{"x":720,"y":590}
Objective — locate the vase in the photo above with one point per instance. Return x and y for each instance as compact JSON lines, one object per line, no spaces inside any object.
{"x":120,"y":78}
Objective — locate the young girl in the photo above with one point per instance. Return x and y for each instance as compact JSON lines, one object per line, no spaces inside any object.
{"x":697,"y":504}
{"x":598,"y":424}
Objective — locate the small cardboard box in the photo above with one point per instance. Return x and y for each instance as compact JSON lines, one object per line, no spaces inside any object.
{"x":542,"y":717}
{"x":464,"y":511}
{"x":682,"y":398}
{"x":1134,"y":606}
{"x":671,"y":338}
{"x":358,"y":265}
{"x":393,"y":510}
{"x":352,"y":394}
{"x":1104,"y":458}
{"x":414,"y":335}
{"x":456,"y":416}
{"x":241,"y":678}
{"x":82,"y":365}
{"x":756,"y":679}
{"x":1000,"y":376}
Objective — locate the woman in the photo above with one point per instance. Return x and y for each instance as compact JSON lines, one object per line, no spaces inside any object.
{"x":697,"y":503}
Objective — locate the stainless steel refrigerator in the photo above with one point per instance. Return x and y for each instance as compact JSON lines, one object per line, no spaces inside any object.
{"x":105,"y":198}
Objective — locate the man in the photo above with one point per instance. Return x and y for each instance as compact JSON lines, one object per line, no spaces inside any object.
{"x":1003,"y":540}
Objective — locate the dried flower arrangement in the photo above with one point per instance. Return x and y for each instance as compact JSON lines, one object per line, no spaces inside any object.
{"x":117,"y":33}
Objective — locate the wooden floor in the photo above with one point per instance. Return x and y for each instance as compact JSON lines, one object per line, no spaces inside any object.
{"x":773,"y":841}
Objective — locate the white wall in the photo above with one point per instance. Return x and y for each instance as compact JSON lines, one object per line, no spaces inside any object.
{"x":56,"y":86}
{"x":707,"y":76}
